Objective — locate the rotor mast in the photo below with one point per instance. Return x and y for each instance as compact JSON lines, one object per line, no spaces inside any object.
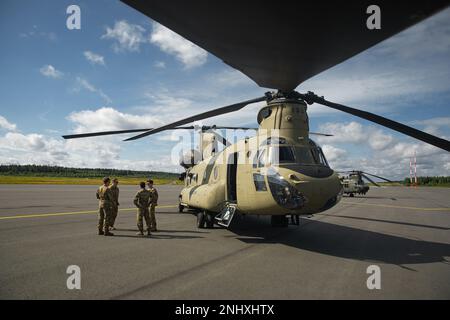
{"x":285,"y":115}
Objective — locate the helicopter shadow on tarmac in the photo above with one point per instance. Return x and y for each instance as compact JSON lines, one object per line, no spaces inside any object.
{"x":369,"y":197}
{"x":343,"y":242}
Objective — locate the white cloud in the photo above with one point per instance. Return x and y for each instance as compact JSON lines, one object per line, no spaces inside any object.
{"x":106,"y":152}
{"x":185,"y":51}
{"x":127,"y":37}
{"x":83,"y":83}
{"x":362,"y":147}
{"x":94,"y":58}
{"x":35,"y":33}
{"x":6,"y":125}
{"x":333,"y":153}
{"x":50,"y":71}
{"x":159,"y":64}
{"x":105,"y":119}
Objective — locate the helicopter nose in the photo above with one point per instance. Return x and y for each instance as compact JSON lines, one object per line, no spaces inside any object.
{"x":320,"y":193}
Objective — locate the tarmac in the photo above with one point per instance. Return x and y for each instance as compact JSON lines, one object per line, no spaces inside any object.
{"x":44,"y":229}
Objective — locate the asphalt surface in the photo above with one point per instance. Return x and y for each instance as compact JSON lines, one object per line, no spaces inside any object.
{"x":404,"y":231}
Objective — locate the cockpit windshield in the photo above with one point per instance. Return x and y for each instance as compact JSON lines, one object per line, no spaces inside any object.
{"x":281,"y":153}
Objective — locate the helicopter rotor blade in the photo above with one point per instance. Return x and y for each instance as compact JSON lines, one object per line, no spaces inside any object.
{"x":310,"y":98}
{"x":370,"y":174}
{"x":101,"y":133}
{"x":366,"y":177}
{"x":321,"y":134}
{"x":201,"y":116}
{"x":105,"y":133}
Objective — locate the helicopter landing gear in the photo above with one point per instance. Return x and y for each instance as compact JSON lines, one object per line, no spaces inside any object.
{"x":295,"y":220}
{"x":209,"y":218}
{"x":201,"y":219}
{"x":205,"y":220}
{"x":180,"y":208}
{"x":351,"y":195}
{"x":279,"y":221}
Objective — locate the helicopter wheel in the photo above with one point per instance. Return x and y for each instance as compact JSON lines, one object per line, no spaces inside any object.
{"x":201,"y":219}
{"x":209,"y":219}
{"x":351,"y":195}
{"x":180,"y":208}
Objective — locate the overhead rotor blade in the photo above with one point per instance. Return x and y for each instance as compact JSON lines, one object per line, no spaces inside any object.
{"x":201,"y":116}
{"x":105,"y":133}
{"x":321,"y":134}
{"x":281,"y":46}
{"x":370,"y":174}
{"x":362,"y":174}
{"x":310,"y":97}
{"x":234,"y":128}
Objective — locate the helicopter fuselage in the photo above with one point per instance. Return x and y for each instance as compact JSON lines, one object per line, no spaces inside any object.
{"x":279,"y":171}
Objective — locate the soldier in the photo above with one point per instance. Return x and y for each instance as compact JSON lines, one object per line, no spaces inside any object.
{"x":142,"y":201}
{"x":105,"y":208}
{"x":115,"y":205}
{"x":154,"y":194}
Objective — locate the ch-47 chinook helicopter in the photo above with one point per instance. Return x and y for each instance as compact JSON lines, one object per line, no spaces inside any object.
{"x":280,"y":171}
{"x":353,"y":183}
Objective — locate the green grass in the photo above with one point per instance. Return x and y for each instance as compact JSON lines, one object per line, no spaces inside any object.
{"x":78,"y":181}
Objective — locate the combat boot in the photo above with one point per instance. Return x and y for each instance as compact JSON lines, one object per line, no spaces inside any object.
{"x":107,"y":233}
{"x":100,"y":232}
{"x":149,"y":233}
{"x":140,"y":233}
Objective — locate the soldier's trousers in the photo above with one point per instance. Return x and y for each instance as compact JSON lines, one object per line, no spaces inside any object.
{"x":104,"y":218}
{"x":115,"y":210}
{"x":143,"y":214}
{"x":152,"y":218}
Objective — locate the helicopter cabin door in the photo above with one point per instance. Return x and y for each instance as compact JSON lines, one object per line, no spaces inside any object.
{"x":231,"y":177}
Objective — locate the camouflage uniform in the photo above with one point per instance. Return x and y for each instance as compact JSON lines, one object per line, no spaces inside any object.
{"x":105,"y":208}
{"x":154,"y":203}
{"x":115,"y":204}
{"x":142,"y":201}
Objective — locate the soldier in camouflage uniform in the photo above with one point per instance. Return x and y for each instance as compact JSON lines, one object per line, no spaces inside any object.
{"x":142,"y":201}
{"x":154,"y":194}
{"x":115,"y":205}
{"x":105,"y":208}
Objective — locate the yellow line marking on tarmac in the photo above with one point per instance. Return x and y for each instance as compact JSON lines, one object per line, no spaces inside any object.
{"x":40,"y":215}
{"x":397,"y":207}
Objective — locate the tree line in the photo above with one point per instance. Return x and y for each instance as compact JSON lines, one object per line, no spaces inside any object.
{"x":56,"y":171}
{"x":429,"y":181}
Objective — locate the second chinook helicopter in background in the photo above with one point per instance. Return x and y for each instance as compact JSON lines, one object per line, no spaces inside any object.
{"x":353,"y":183}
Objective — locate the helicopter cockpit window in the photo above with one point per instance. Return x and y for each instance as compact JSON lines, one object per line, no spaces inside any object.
{"x":281,"y":154}
{"x":304,"y":155}
{"x":260,"y":183}
{"x":262,"y":158}
{"x":322,"y":158}
{"x":319,"y":157}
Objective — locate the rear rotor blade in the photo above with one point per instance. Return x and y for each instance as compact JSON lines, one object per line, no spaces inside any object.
{"x":101,"y":133}
{"x":201,"y":116}
{"x":366,"y":177}
{"x":105,"y":133}
{"x":370,"y":174}
{"x":321,"y":134}
{"x":310,"y":97}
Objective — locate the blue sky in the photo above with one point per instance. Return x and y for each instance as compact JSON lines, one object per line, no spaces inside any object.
{"x":122,"y":70}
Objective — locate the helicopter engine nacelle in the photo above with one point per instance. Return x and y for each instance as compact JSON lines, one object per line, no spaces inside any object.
{"x":190,"y":158}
